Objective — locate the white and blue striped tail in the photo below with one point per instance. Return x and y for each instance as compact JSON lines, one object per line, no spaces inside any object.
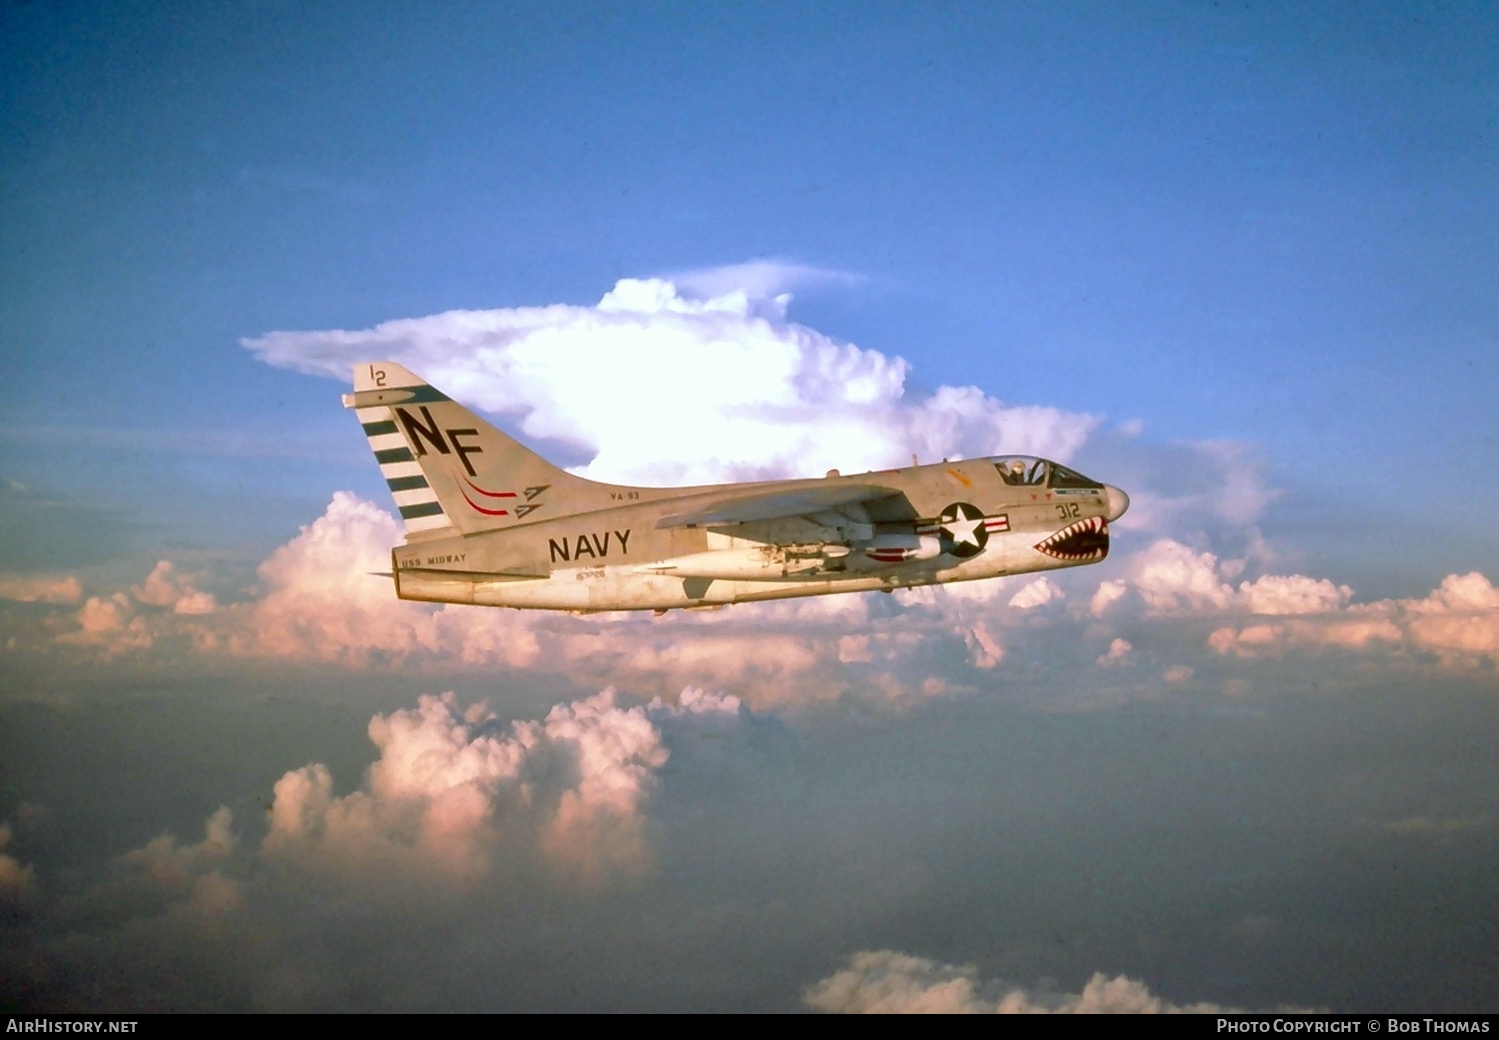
{"x":414,"y":496}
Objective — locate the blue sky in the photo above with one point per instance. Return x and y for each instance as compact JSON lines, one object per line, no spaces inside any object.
{"x":1228,"y":224}
{"x":1239,"y":260}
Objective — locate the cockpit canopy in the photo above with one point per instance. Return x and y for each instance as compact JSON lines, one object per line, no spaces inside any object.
{"x":1029,"y":471}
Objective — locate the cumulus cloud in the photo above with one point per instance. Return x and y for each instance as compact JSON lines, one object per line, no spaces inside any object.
{"x":1293,"y":594}
{"x":456,"y":792}
{"x":111,"y":624}
{"x":1274,"y":614}
{"x":887,"y":982}
{"x":1461,"y":615}
{"x":1036,"y":593}
{"x":37,"y":589}
{"x":148,"y":929}
{"x":136,"y":619}
{"x":165,"y":587}
{"x":1108,"y":593}
{"x":191,"y":876}
{"x":1169,"y":576}
{"x":662,"y":387}
{"x":1457,"y":622}
{"x":1118,"y":653}
{"x":170,"y":862}
{"x":323,"y":597}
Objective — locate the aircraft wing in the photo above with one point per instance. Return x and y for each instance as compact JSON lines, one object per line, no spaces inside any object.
{"x":773,"y":505}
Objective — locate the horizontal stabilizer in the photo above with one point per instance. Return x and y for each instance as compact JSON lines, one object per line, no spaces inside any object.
{"x":775,"y":505}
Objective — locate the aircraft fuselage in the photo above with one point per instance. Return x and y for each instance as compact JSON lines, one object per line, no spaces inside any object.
{"x":616,"y":558}
{"x":490,"y":522}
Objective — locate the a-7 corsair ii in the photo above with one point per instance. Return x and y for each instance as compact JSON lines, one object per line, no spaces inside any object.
{"x":490,"y":522}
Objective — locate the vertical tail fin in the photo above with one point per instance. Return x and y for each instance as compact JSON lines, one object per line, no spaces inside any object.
{"x":449,"y":469}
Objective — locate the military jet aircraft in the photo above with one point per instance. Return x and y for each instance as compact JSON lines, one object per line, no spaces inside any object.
{"x":490,"y":522}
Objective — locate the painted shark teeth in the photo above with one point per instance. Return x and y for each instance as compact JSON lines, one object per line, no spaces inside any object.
{"x":1084,"y":540}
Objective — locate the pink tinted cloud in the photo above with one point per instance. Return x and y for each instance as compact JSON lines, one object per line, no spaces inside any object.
{"x":888,"y":982}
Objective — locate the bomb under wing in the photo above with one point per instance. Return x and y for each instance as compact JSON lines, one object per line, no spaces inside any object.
{"x":490,"y":522}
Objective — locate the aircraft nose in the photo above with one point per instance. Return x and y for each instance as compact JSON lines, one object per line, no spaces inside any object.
{"x":1118,"y":502}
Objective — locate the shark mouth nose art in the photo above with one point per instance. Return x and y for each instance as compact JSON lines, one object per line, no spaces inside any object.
{"x":1084,"y":540}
